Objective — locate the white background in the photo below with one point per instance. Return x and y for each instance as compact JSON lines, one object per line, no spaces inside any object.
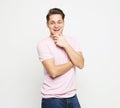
{"x":94,"y":23}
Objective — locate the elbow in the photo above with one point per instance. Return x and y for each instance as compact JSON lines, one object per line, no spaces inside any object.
{"x":80,"y":65}
{"x":52,"y":74}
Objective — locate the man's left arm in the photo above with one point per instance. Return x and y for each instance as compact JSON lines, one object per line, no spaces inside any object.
{"x":75,"y":57}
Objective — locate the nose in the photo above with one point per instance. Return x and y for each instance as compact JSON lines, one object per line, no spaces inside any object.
{"x":56,"y":25}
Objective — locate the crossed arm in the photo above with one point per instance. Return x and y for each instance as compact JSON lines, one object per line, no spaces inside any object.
{"x":56,"y":70}
{"x":76,"y":59}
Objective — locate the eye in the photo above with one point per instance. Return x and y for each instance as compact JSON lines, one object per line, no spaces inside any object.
{"x":52,"y":23}
{"x":59,"y":22}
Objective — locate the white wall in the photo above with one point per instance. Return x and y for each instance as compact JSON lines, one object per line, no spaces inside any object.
{"x":96,"y":25}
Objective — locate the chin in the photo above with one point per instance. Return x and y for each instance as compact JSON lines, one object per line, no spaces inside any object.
{"x":59,"y":33}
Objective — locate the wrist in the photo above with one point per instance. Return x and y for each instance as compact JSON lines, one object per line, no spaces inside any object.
{"x":66,"y":46}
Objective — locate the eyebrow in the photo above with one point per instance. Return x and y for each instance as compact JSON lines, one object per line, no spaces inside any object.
{"x":54,"y":21}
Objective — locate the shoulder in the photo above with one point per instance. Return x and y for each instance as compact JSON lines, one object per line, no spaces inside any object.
{"x":43,"y":42}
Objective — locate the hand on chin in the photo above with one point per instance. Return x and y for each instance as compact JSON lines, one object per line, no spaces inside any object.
{"x":57,"y":33}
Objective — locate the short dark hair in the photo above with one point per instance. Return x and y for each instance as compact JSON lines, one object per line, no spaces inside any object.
{"x":55,"y":11}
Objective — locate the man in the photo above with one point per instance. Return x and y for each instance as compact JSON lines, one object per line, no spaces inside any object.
{"x":59,"y":55}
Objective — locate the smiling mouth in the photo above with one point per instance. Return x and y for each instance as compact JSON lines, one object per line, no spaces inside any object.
{"x":56,"y":30}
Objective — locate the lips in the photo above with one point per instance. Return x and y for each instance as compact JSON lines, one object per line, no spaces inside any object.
{"x":56,"y":31}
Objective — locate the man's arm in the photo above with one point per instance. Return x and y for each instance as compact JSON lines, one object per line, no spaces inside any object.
{"x":75,"y":57}
{"x":56,"y":70}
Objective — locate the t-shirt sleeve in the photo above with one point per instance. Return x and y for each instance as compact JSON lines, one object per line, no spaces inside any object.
{"x":43,"y":52}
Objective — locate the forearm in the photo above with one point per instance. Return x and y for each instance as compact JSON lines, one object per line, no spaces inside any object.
{"x":58,"y":70}
{"x":75,"y":57}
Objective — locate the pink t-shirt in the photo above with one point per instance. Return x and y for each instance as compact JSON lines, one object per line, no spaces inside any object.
{"x":63,"y":86}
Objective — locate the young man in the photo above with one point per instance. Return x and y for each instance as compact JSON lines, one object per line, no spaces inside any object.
{"x":59,"y":55}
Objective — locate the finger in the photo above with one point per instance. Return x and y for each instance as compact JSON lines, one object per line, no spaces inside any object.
{"x":60,"y":34}
{"x":55,"y":37}
{"x":55,"y":41}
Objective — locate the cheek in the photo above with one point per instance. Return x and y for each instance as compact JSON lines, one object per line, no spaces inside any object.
{"x":50,"y":27}
{"x":62,"y":25}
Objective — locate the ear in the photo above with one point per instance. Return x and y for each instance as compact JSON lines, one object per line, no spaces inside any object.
{"x":47,"y":24}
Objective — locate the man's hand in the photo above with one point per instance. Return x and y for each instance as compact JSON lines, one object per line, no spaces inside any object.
{"x":75,"y":57}
{"x":60,"y":41}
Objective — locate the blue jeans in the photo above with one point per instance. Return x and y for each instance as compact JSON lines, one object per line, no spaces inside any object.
{"x":60,"y":102}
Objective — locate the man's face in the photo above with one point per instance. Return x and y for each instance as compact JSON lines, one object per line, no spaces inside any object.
{"x":55,"y":24}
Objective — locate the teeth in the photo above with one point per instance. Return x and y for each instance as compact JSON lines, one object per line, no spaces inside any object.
{"x":57,"y":30}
